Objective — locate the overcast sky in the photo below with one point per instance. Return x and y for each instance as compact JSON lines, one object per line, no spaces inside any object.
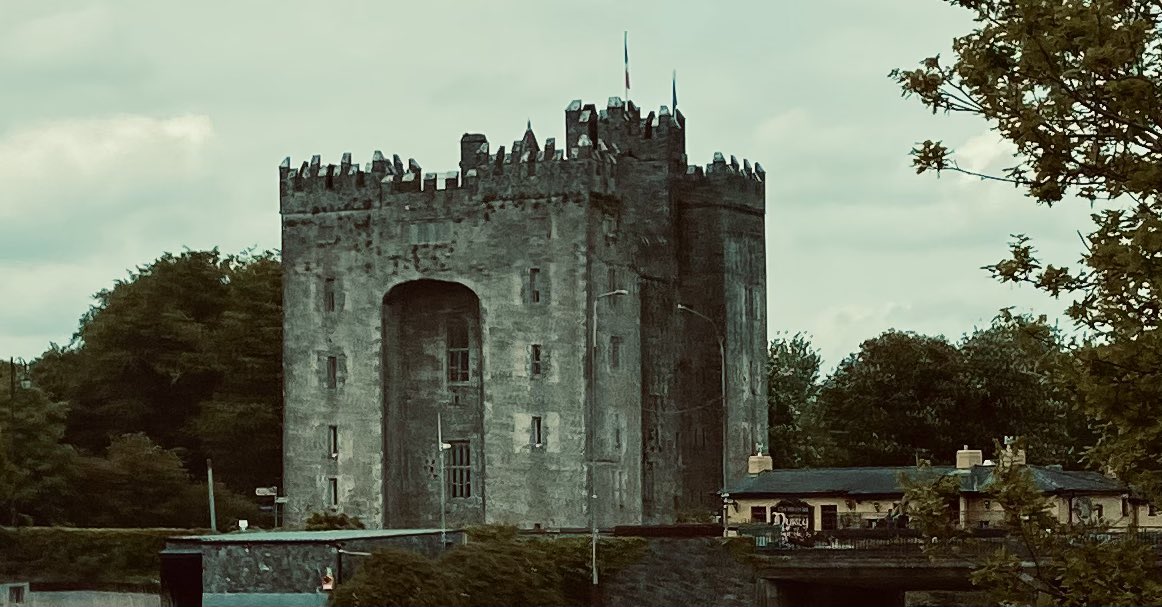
{"x":133,"y":127}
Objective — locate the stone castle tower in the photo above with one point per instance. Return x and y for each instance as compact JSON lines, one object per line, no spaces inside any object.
{"x":471,"y":297}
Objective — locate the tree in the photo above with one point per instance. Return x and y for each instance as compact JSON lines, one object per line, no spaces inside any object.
{"x":1074,"y":85}
{"x":397,"y":577}
{"x":139,"y":484}
{"x":35,"y":468}
{"x":1042,"y":561}
{"x":188,"y":351}
{"x":905,"y":396}
{"x":793,"y":387}
{"x":893,"y":398}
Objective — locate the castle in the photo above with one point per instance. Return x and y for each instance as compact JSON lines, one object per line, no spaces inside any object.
{"x":452,"y":318}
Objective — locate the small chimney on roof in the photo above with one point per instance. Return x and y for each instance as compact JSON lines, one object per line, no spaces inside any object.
{"x":759,"y":463}
{"x":1012,"y":456}
{"x":967,"y":458}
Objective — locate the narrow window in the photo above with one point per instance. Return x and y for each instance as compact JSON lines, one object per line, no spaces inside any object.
{"x":457,"y":342}
{"x":612,"y":279}
{"x":536,"y":360}
{"x":537,"y":437}
{"x":332,"y":372}
{"x":615,"y":352}
{"x":1099,"y":512}
{"x":617,"y":431}
{"x":333,"y":440}
{"x":534,"y":285}
{"x":329,"y":295}
{"x":458,"y":469}
{"x":333,"y":491}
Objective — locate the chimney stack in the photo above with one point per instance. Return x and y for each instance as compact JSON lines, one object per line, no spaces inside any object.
{"x":967,"y":458}
{"x":759,"y":463}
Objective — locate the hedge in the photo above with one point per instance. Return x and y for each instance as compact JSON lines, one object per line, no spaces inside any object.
{"x":70,"y":557}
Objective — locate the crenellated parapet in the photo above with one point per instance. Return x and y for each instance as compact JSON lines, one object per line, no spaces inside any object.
{"x":658,"y":135}
{"x":726,"y":183}
{"x":527,"y":171}
{"x":586,"y":161}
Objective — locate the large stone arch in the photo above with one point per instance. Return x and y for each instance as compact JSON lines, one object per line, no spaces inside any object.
{"x":432,"y":363}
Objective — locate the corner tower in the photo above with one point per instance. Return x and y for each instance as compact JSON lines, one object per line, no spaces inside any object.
{"x":476,"y":298}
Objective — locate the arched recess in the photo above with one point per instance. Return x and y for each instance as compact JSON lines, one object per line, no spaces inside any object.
{"x":431,"y":364}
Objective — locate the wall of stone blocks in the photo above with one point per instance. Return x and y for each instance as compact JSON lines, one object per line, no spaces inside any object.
{"x":614,"y":207}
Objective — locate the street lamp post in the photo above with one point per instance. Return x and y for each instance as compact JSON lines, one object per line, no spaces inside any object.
{"x":725,"y":411}
{"x":592,"y":481}
{"x":443,"y":499}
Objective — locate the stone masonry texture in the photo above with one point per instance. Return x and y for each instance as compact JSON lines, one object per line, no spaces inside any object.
{"x":468,"y":297}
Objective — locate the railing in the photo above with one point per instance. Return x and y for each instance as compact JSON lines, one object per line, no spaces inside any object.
{"x":978,"y":542}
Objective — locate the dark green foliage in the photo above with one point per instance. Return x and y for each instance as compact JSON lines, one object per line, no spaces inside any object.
{"x":186,"y":351}
{"x":1044,"y":562}
{"x":496,"y":567}
{"x":1074,"y":85}
{"x":397,"y":577}
{"x":90,"y":556}
{"x":36,"y":470}
{"x":905,"y":396}
{"x":139,"y":484}
{"x":323,"y":521}
{"x":794,"y":438}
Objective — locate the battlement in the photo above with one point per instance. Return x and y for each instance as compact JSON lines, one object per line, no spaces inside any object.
{"x":586,"y":161}
{"x":657,"y":136}
{"x":727,"y":181}
{"x":525,"y":172}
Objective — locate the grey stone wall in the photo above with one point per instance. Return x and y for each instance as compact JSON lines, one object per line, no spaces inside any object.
{"x":615,"y":207}
{"x":293,"y":567}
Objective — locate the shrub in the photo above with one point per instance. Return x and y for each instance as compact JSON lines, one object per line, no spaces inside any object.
{"x":65,"y":555}
{"x":396,"y":577}
{"x":323,"y":521}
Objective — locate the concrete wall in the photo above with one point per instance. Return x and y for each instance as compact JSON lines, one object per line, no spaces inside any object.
{"x":615,"y":208}
{"x":293,"y":567}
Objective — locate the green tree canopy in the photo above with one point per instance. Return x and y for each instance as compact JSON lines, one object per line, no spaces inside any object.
{"x":1074,"y":85}
{"x":188,"y":351}
{"x":793,"y":387}
{"x":905,"y":396}
{"x":35,"y":467}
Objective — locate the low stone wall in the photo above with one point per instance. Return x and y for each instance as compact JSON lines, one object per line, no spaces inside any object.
{"x":241,"y":566}
{"x":704,"y":571}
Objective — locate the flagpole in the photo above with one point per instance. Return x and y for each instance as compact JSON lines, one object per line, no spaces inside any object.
{"x":625,"y":44}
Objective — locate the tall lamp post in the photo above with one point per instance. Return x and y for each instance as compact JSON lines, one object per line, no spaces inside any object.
{"x":725,"y":411}
{"x":592,"y":481}
{"x":443,"y":499}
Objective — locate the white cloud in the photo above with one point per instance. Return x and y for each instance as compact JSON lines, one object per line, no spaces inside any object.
{"x":56,"y":38}
{"x":54,"y":167}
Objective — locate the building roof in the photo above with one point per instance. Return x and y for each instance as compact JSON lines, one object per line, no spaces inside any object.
{"x":275,"y":537}
{"x":868,"y":481}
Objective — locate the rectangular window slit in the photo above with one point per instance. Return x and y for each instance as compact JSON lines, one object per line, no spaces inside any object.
{"x":333,"y":491}
{"x":536,"y":360}
{"x":329,"y":295}
{"x":614,"y":352}
{"x":333,"y":440}
{"x":534,"y":285}
{"x":538,"y":438}
{"x":457,"y":344}
{"x":332,"y":372}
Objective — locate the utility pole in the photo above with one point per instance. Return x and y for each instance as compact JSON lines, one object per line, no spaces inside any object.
{"x":210,"y":486}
